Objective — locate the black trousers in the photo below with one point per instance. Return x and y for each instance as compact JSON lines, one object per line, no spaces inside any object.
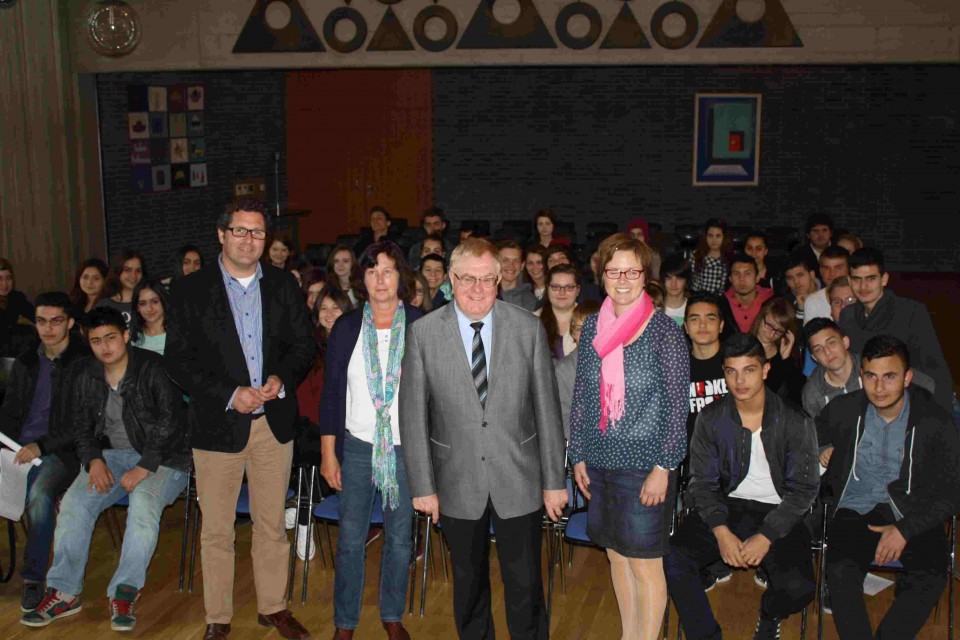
{"x":850,"y":551}
{"x":518,"y":548}
{"x":789,"y":566}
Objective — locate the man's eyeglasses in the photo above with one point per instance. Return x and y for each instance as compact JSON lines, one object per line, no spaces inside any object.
{"x":56,"y":321}
{"x":842,"y":302}
{"x":486,"y":282}
{"x":241,"y":232}
{"x":567,"y":288}
{"x":629,"y":274}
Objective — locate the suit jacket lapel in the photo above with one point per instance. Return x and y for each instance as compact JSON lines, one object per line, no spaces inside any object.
{"x":455,"y":341}
{"x":266,"y":295}
{"x":234,"y":353}
{"x":498,"y":369}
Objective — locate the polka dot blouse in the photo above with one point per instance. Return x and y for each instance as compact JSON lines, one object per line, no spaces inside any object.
{"x":653,"y":428}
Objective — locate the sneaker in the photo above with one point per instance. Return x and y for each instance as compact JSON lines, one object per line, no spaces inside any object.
{"x":290,"y":518}
{"x":302,"y":543}
{"x":715,"y":574}
{"x":53,"y":606}
{"x":122,"y":617}
{"x":760,"y":577}
{"x":767,"y":629}
{"x":30,"y":596}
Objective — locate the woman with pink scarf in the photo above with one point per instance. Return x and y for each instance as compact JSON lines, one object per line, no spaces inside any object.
{"x":628,"y":431}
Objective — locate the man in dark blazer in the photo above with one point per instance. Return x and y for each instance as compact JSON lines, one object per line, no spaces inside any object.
{"x":482,"y":440}
{"x":239,"y":342}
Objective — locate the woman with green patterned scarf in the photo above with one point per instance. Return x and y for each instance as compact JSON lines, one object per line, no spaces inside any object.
{"x":361,"y":450}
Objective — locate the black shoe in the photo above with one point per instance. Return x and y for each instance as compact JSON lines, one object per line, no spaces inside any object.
{"x":31,"y":595}
{"x":714,"y":574}
{"x":767,"y":629}
{"x":760,"y":578}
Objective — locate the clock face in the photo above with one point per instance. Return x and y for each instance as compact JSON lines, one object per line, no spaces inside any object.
{"x":113,"y":28}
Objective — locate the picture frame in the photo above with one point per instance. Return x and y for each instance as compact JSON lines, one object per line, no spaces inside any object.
{"x":726,"y":140}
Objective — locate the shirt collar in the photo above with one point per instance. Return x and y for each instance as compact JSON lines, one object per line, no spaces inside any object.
{"x":227,"y":278}
{"x":465,"y":322}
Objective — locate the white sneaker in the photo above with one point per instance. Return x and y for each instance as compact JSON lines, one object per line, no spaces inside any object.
{"x":302,"y":543}
{"x":290,"y":518}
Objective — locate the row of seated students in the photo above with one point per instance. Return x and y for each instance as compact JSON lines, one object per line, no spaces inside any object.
{"x":36,"y":404}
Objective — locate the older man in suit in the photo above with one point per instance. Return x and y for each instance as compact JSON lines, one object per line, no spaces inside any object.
{"x":480,"y":423}
{"x":239,"y":341}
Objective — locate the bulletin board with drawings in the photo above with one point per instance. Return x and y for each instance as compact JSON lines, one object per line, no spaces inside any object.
{"x":167,"y":143}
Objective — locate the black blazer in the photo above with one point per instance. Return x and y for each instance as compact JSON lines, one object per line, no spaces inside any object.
{"x":340,"y":346}
{"x":204,"y":356}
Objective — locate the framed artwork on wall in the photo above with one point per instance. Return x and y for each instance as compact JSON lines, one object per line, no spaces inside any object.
{"x":726,"y":140}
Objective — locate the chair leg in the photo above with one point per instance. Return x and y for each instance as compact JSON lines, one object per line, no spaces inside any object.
{"x":426,"y":551}
{"x":822,"y":578}
{"x":186,"y":534}
{"x":443,"y":555}
{"x":193,"y":546}
{"x":413,"y":558}
{"x":309,"y":532}
{"x":291,"y":563}
{"x":803,"y":624}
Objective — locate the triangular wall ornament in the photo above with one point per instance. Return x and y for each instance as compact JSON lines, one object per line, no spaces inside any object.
{"x":625,"y":32}
{"x":526,"y":32}
{"x":390,"y":35}
{"x":259,"y":37}
{"x":728,"y":30}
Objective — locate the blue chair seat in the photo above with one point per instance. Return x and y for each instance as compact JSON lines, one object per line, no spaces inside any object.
{"x":576,"y":529}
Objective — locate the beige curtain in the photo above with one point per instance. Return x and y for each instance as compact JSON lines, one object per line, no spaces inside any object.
{"x":47,"y":223}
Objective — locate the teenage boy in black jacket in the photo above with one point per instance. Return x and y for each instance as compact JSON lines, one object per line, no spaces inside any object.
{"x":753,"y":476}
{"x":893,"y":457}
{"x":35,"y":414}
{"x":131,"y":440}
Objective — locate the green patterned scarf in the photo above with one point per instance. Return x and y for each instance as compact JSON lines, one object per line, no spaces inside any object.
{"x":383,"y":390}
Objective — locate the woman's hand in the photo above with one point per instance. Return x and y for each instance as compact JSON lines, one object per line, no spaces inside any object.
{"x":582,"y":479}
{"x":654,"y":489}
{"x":786,"y":344}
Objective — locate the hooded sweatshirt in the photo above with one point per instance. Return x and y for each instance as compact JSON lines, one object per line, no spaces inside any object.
{"x":817,"y":392}
{"x":909,"y":321}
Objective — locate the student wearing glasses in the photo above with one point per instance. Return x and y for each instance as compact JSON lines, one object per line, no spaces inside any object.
{"x":840,"y":295}
{"x":777,"y":328}
{"x":35,"y":413}
{"x":628,"y":431}
{"x":563,"y":287}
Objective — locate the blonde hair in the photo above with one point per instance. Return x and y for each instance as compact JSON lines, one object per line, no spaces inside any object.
{"x":476,"y":248}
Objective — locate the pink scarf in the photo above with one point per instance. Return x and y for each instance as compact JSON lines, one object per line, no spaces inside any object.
{"x":612,"y":333}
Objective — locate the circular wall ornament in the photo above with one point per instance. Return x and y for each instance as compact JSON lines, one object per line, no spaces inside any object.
{"x":113,"y":28}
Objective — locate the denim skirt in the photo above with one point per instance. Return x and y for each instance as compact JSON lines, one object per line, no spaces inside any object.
{"x":617,"y":520}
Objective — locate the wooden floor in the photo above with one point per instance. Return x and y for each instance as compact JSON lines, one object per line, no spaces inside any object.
{"x":588,"y":609}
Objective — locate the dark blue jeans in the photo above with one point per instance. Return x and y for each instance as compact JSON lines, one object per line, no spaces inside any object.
{"x":356,"y":507}
{"x":44,"y":485}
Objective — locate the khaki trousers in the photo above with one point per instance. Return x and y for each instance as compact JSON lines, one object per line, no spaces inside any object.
{"x":219,"y":477}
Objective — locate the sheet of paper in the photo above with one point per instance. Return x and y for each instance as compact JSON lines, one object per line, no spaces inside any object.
{"x":13,"y":485}
{"x":874,"y":584}
{"x":13,"y":444}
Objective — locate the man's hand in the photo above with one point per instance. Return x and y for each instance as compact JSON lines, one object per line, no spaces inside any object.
{"x":429,"y":505}
{"x":582,"y":479}
{"x":891,"y":543}
{"x":554,"y":500}
{"x":729,"y":547}
{"x":27,"y":453}
{"x":132,"y":478}
{"x":825,"y":457}
{"x":271,"y":389}
{"x":247,"y":400}
{"x":99,"y":477}
{"x":330,"y":470}
{"x":654,"y":490}
{"x":754,"y":549}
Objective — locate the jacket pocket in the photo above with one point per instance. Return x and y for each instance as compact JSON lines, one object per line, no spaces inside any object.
{"x":442,"y":451}
{"x":529,"y":439}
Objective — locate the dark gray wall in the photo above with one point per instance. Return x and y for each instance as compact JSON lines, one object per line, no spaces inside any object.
{"x":875,"y":146}
{"x":244,"y":126}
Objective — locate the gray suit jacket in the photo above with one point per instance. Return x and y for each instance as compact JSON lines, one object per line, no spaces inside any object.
{"x":453,"y":447}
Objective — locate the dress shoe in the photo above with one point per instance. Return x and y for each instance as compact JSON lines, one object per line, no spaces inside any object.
{"x":285,"y":623}
{"x":216,"y":632}
{"x":395,"y":631}
{"x":343,"y":634}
